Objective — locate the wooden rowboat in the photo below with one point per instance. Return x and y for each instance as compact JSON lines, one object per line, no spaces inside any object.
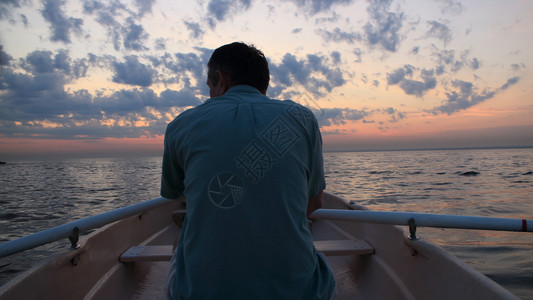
{"x":129,"y":259}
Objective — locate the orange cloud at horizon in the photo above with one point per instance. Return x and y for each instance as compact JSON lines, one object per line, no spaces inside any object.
{"x":479,"y":126}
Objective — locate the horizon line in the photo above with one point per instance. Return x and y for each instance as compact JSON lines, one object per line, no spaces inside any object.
{"x":48,"y":157}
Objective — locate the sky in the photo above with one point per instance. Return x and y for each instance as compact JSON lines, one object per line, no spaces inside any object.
{"x":96,"y":78}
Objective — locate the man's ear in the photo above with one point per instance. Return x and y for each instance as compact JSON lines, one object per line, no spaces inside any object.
{"x":224,"y":81}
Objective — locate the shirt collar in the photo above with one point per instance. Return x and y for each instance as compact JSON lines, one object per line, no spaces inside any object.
{"x":243,"y":89}
{"x":237,"y":89}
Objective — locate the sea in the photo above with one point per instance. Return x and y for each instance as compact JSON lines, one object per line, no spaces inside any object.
{"x":36,"y":195}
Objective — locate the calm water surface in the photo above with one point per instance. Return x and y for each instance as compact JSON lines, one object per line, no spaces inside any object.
{"x":35,"y":195}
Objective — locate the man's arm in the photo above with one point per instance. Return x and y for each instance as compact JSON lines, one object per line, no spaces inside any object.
{"x":315,"y":202}
{"x":172,"y":173}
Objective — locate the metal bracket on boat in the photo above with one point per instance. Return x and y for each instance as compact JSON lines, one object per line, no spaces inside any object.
{"x":74,"y":237}
{"x":178,"y":216}
{"x":412,"y":229}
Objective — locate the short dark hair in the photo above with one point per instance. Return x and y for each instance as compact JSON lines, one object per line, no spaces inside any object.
{"x":244,"y":64}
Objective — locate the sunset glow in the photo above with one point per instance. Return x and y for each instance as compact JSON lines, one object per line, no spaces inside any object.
{"x":96,"y":78}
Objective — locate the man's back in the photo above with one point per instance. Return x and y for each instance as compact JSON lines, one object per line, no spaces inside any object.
{"x":247,"y":166}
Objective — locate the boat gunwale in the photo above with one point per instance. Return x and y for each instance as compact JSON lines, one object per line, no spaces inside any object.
{"x":90,"y":254}
{"x":422,"y":249}
{"x":412,"y":248}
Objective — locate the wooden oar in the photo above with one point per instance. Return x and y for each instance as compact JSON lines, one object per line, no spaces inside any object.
{"x":425,"y":220}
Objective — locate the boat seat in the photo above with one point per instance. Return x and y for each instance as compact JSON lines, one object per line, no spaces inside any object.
{"x":328,"y":247}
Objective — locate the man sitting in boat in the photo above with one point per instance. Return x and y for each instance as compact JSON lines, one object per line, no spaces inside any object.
{"x":251,"y":170}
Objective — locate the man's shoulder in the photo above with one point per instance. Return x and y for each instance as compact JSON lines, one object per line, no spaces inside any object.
{"x":298,"y":110}
{"x":295,"y":106}
{"x":290,"y":105}
{"x":292,"y":113}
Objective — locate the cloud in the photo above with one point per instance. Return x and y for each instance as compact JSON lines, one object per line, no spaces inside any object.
{"x":140,"y":104}
{"x":450,"y":6}
{"x":399,"y":74}
{"x":186,"y":69}
{"x":332,"y":19}
{"x":15,"y":3}
{"x":510,"y":82}
{"x":195,"y":30}
{"x":339,"y":116}
{"x":160,"y":44}
{"x":394,"y":114}
{"x":417,"y":88}
{"x":27,"y":98}
{"x":134,"y":36}
{"x":316,"y":6}
{"x":125,"y":113}
{"x":7,"y":7}
{"x":465,"y":96}
{"x":439,"y":31}
{"x":182,"y":98}
{"x":4,"y":57}
{"x":120,"y":23}
{"x":447,"y":59}
{"x":290,"y":69}
{"x":475,"y":64}
{"x":90,"y":6}
{"x":383,"y":26}
{"x":338,"y":35}
{"x":60,"y":24}
{"x":144,"y":6}
{"x":37,"y":103}
{"x":336,"y":57}
{"x":401,"y":77}
{"x":517,"y":67}
{"x":316,"y":73}
{"x":42,"y":61}
{"x":220,"y":10}
{"x":359,"y":54}
{"x":113,"y":27}
{"x":133,"y":72}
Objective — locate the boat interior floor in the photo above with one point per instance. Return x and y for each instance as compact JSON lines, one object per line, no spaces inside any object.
{"x":344,"y":254}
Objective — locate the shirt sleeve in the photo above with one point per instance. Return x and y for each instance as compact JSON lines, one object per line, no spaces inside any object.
{"x":172,"y":175}
{"x":317,"y":181}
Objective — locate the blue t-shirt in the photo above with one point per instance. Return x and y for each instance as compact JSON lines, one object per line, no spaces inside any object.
{"x":247,"y":165}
